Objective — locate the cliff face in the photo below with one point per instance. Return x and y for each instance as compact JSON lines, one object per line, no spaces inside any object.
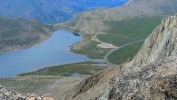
{"x":150,"y":75}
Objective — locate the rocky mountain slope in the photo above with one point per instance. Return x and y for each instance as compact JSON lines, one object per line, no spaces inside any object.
{"x":52,"y":11}
{"x":150,"y":75}
{"x":16,"y":33}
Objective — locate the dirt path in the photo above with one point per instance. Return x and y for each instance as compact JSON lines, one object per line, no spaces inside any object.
{"x":107,"y":55}
{"x":94,"y":38}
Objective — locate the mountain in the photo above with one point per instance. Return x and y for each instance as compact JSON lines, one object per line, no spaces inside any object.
{"x":52,"y":11}
{"x":16,"y":33}
{"x":108,"y":25}
{"x":150,"y":75}
{"x":94,"y":22}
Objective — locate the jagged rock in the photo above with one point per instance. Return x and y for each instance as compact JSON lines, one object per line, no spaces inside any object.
{"x":151,"y":75}
{"x":13,"y":95}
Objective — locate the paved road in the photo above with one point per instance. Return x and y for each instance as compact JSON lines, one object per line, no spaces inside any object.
{"x":107,"y":55}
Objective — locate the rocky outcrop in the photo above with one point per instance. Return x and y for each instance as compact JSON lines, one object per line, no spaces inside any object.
{"x":160,"y":44}
{"x":13,"y":95}
{"x":151,"y":75}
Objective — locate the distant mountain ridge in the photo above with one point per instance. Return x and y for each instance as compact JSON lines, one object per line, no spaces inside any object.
{"x":52,"y":11}
{"x":94,"y":22}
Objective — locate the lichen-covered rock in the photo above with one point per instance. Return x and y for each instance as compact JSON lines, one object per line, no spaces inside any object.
{"x":154,"y":81}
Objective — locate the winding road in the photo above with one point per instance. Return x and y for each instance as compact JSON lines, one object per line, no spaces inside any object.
{"x":107,"y":55}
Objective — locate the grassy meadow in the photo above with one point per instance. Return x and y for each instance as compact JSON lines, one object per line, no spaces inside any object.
{"x":83,"y":68}
{"x":123,"y":54}
{"x":125,"y":31}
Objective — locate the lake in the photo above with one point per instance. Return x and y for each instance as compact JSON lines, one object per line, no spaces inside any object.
{"x":53,"y":51}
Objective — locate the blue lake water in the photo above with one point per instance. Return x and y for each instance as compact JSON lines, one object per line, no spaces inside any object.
{"x":53,"y":51}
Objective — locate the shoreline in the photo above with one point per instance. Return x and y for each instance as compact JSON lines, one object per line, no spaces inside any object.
{"x":27,"y":46}
{"x":57,"y":64}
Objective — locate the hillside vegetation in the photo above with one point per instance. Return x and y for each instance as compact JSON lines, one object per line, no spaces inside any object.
{"x":125,"y":54}
{"x":125,"y":31}
{"x":20,"y":33}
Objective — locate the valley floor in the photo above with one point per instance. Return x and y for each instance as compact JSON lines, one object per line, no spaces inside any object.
{"x":56,"y":86}
{"x":55,"y":80}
